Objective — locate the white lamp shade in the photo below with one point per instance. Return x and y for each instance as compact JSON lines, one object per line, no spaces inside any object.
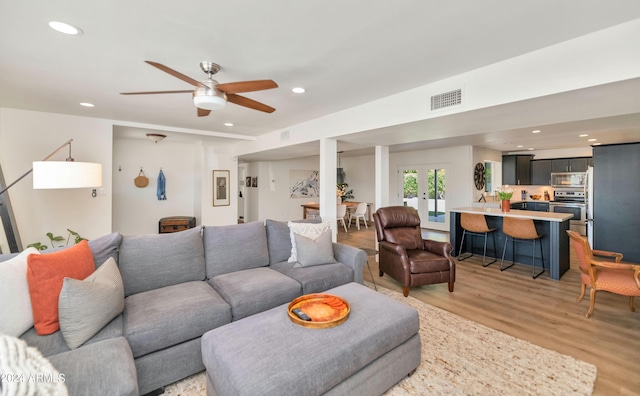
{"x":210,"y":102}
{"x":59,"y":174}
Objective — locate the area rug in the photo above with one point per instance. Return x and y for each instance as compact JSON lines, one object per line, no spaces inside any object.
{"x":461,"y":357}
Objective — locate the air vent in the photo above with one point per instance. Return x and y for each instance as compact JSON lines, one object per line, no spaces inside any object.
{"x":446,"y":99}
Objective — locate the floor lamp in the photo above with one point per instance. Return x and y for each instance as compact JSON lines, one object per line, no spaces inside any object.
{"x":54,"y":175}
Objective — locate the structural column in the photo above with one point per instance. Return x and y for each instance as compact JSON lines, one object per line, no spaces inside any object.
{"x":328,"y":180}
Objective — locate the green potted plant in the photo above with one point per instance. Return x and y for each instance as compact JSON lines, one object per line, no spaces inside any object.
{"x":53,"y":239}
{"x":343,"y":193}
{"x":504,"y":194}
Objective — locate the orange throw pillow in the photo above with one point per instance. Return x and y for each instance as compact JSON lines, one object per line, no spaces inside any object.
{"x":45,"y":273}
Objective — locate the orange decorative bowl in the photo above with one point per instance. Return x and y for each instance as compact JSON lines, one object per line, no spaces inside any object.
{"x":325,"y":310}
{"x":536,"y":197}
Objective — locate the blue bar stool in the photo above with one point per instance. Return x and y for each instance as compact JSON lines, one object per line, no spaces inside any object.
{"x":476,"y":224}
{"x":522,"y":230}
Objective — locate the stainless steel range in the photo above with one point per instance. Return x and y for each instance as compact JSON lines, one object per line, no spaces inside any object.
{"x":574,"y":201}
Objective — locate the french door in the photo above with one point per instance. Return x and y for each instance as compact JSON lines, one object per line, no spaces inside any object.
{"x":423,"y":187}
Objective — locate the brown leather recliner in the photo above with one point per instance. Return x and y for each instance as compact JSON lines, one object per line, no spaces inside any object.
{"x":405,"y":256}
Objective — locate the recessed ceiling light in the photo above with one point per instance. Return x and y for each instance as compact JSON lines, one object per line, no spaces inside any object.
{"x":530,"y":149}
{"x":591,"y":140}
{"x":536,"y":131}
{"x":519,"y":146}
{"x":596,"y":144}
{"x":298,"y":90}
{"x":228,"y":124}
{"x":87,"y":104}
{"x":583,"y":135}
{"x":64,"y":28}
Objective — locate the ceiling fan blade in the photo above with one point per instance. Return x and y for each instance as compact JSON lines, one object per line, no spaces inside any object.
{"x":176,"y":74}
{"x":250,"y":103}
{"x":203,"y":112}
{"x":156,"y":92}
{"x":246,"y":86}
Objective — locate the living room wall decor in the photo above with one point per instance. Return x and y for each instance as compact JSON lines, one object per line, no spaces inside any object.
{"x":304,"y":183}
{"x":221,"y":188}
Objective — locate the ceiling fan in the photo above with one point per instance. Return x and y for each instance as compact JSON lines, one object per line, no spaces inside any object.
{"x":209,"y":95}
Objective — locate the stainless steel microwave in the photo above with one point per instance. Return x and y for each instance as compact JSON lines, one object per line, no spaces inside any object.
{"x":569,"y":179}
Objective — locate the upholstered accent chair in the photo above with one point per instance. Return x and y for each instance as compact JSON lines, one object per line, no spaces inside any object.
{"x":405,"y":256}
{"x":600,"y":274}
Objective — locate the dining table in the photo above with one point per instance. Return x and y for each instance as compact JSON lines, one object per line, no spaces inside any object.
{"x":316,"y":206}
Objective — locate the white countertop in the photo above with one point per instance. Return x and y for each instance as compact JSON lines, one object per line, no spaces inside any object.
{"x":525,"y":214}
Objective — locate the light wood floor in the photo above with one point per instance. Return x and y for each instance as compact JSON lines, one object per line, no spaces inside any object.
{"x":541,"y":311}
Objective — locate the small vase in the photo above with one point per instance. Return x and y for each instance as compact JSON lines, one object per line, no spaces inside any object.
{"x":506,"y":205}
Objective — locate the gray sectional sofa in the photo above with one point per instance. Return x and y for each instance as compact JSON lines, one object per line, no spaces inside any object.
{"x":179,"y":286}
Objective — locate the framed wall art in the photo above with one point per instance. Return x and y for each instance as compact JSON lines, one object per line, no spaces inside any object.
{"x":304,"y":184}
{"x":247,"y":181}
{"x":221,"y":188}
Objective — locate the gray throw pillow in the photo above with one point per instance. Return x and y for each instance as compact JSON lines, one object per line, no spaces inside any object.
{"x":316,"y":251}
{"x":86,"y":306}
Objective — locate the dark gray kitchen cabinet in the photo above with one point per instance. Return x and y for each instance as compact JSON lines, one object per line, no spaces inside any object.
{"x":541,"y":172}
{"x":570,"y":164}
{"x":538,"y":206}
{"x":560,"y":165}
{"x":529,"y":205}
{"x":516,"y":169}
{"x":616,"y":186}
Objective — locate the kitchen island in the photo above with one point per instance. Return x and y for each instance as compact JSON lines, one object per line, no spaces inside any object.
{"x":553,"y":227}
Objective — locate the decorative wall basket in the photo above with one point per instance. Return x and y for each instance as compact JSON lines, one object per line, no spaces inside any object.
{"x":141,"y":181}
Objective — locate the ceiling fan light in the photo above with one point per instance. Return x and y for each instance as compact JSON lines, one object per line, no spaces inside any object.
{"x":210,"y":102}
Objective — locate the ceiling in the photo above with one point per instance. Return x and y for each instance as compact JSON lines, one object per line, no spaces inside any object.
{"x":343,"y":53}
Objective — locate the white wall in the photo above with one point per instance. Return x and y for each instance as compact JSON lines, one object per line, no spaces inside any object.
{"x":27,"y":136}
{"x":217,"y":157}
{"x":138,"y":210}
{"x":271,"y":200}
{"x":360,"y":175}
{"x":188,"y":168}
{"x":481,"y":154}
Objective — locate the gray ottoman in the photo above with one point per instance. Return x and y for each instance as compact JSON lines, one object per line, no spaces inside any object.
{"x":267,"y":354}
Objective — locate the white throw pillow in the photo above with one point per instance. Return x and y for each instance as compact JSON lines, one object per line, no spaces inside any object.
{"x":86,"y":306}
{"x":309,"y":230}
{"x":317,"y":251}
{"x":15,"y":302}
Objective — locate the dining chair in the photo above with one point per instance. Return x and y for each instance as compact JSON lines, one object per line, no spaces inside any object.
{"x":599,"y":274}
{"x":359,"y":213}
{"x":341,"y":212}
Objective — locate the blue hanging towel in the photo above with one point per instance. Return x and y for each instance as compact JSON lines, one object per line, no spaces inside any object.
{"x":162,"y":181}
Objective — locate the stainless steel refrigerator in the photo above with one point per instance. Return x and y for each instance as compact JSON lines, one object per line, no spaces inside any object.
{"x":614,"y":223}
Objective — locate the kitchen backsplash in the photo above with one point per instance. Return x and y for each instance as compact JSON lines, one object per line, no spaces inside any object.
{"x":517,"y":193}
